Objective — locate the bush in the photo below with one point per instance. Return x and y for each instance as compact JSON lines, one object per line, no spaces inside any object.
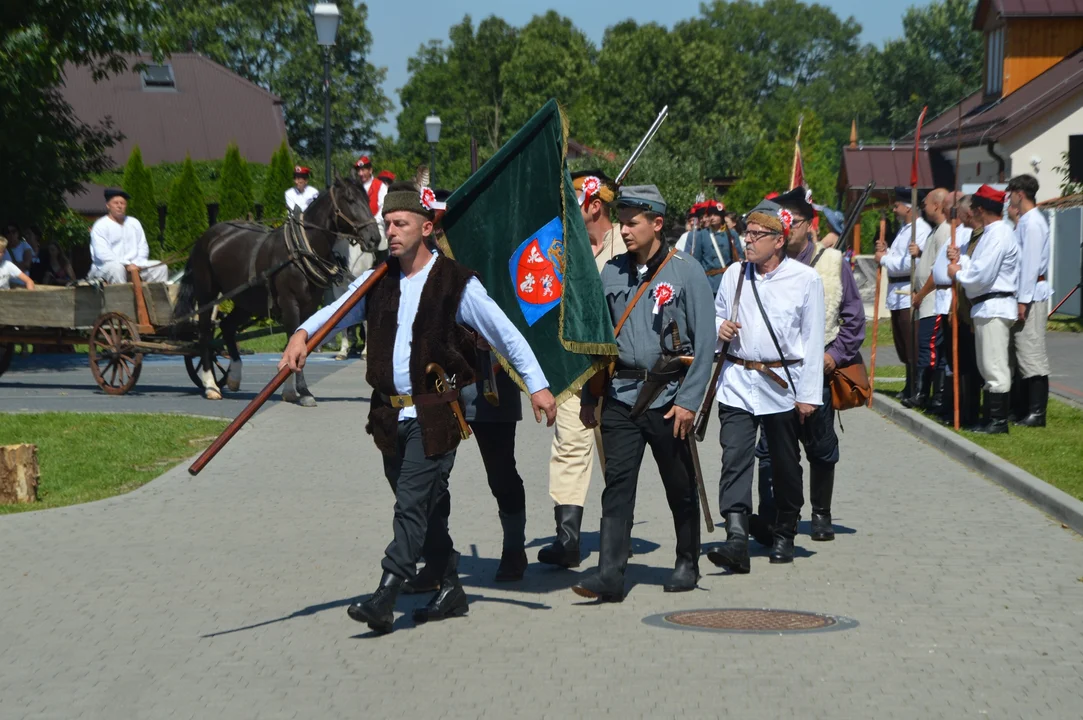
{"x":69,"y":229}
{"x":143,"y":206}
{"x":186,"y":214}
{"x":235,"y":187}
{"x":279,"y":179}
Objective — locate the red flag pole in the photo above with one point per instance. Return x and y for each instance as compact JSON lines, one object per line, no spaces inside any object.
{"x":797,"y":156}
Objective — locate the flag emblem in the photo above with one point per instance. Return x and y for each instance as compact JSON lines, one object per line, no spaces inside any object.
{"x":535,"y":268}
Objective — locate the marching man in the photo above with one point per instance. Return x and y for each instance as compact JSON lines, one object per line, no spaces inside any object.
{"x":415,"y":423}
{"x":119,"y":245}
{"x":648,"y":405}
{"x":301,"y":195}
{"x":772,"y":376}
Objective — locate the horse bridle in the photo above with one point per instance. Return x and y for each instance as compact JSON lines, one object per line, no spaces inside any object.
{"x":355,"y":226}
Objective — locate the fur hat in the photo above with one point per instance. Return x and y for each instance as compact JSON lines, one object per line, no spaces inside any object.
{"x":771,"y":216}
{"x":406,"y":196}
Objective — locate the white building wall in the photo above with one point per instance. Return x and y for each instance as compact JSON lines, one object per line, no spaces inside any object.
{"x":1043,"y":141}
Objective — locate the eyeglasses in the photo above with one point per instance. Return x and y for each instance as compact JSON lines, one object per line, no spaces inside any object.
{"x":757,"y":235}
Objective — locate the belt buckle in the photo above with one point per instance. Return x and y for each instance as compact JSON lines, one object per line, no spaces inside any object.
{"x":398,"y":401}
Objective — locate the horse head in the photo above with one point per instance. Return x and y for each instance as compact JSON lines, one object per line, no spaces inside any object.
{"x":351,"y":214}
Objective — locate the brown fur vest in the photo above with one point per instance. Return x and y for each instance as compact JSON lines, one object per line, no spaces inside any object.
{"x":437,"y":338}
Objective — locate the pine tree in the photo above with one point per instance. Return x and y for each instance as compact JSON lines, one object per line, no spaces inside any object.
{"x":186,"y":214}
{"x":279,"y":179}
{"x":234,"y":188}
{"x":140,"y":185}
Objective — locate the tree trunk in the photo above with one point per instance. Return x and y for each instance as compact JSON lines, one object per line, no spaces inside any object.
{"x":18,"y":474}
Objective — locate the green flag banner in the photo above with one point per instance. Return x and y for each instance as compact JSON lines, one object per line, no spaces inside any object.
{"x":517,"y":224}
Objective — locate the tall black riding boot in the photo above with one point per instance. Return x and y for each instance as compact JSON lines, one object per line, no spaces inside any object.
{"x":564,"y":551}
{"x":921,"y":390}
{"x":996,"y":412}
{"x":1038,"y":390}
{"x":449,"y":600}
{"x":821,"y":486}
{"x":733,"y":554}
{"x":513,"y":554}
{"x":969,"y":402}
{"x":607,"y":584}
{"x":937,"y":404}
{"x":686,"y":570}
{"x":908,"y":388}
{"x":1018,"y":398}
{"x":785,"y":531}
{"x":378,"y":611}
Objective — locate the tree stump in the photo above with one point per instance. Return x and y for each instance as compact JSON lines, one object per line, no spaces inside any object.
{"x":18,"y":474}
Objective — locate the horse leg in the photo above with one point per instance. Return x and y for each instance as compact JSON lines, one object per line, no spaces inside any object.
{"x":291,"y":319}
{"x":230,"y":323}
{"x":344,"y":345}
{"x":206,"y":363}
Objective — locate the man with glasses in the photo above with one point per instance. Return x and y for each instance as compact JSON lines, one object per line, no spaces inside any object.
{"x":772,"y":378}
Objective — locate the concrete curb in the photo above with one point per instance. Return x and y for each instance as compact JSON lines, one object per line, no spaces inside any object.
{"x":1057,"y":503}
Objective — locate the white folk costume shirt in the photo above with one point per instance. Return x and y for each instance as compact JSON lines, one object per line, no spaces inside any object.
{"x":112,"y":242}
{"x":476,"y":309}
{"x":896,"y":264}
{"x":1032,"y":233}
{"x":994,"y":267}
{"x":301,"y":200}
{"x":793,"y":296}
{"x":8,"y":271}
{"x":940,"y":270}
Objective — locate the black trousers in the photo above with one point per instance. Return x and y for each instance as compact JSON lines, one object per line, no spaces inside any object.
{"x":931,"y":342}
{"x":903,"y":332}
{"x":422,"y":503}
{"x":820,"y":441}
{"x":738,"y":437}
{"x":624,"y":440}
{"x":496,"y":441}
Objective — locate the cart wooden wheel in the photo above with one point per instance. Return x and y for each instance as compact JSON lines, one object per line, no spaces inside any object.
{"x":114,"y":361}
{"x":7,"y":351}
{"x":220,"y":368}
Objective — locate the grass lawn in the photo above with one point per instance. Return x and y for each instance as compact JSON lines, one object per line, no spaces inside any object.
{"x":84,"y":457}
{"x":1065,"y":323}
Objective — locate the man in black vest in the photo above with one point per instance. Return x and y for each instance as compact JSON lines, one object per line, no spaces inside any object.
{"x":412,"y":423}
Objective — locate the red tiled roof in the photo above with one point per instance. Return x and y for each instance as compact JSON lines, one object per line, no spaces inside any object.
{"x":209,"y":108}
{"x":885,"y":166}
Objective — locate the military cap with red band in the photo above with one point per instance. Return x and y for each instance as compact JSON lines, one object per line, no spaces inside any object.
{"x":363,"y":161}
{"x":989,"y":198}
{"x":301,"y":171}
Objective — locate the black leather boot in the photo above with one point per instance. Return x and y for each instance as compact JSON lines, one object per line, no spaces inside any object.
{"x":607,"y":584}
{"x":1038,"y":394}
{"x":449,"y":600}
{"x":427,"y":580}
{"x":970,"y":402}
{"x":821,"y":487}
{"x":1018,"y":398}
{"x":513,"y":554}
{"x":565,"y":549}
{"x":761,"y":530}
{"x":908,"y":388}
{"x":686,"y":570}
{"x":996,"y":411}
{"x":733,"y":554}
{"x":378,"y":611}
{"x":921,"y":390}
{"x":785,"y":531}
{"x":936,"y":404}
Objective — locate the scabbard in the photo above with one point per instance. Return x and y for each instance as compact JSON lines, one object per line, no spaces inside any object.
{"x":489,"y":389}
{"x":693,"y":453}
{"x":443,"y":384}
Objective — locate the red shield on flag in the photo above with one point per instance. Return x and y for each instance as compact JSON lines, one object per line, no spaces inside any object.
{"x":536,"y":281}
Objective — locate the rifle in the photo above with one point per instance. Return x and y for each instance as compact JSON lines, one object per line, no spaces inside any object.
{"x":642,"y":146}
{"x":704,"y":416}
{"x":855,"y":214}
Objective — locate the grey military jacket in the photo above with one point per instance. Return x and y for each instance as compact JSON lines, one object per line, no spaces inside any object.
{"x":690,"y":303}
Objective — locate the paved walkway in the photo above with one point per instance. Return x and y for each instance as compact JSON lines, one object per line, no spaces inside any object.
{"x":223,"y":596}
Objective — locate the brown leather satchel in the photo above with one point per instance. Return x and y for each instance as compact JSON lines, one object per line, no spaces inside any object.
{"x":850,"y":386}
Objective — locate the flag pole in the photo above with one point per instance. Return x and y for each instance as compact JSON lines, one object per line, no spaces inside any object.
{"x":796,"y":152}
{"x":955,"y":289}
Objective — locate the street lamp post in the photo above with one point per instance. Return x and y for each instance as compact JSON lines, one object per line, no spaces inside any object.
{"x":432,"y":134}
{"x":326,"y":16}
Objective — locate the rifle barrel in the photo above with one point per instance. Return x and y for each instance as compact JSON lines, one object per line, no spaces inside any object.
{"x":642,"y":146}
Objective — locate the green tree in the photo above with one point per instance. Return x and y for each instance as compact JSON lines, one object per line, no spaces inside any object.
{"x":186,"y":213}
{"x":278,"y":179}
{"x":936,"y":63}
{"x":47,"y":150}
{"x":273,"y":44}
{"x":235,"y":187}
{"x":139,"y":184}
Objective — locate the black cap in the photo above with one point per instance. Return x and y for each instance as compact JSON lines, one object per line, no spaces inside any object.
{"x":594,"y":173}
{"x":111,"y":193}
{"x":798,"y":200}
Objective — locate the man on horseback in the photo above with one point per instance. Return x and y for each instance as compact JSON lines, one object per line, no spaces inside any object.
{"x":301,"y":195}
{"x":416,"y":423}
{"x":119,"y":245}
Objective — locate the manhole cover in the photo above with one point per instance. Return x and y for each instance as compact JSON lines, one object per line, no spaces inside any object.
{"x":750,"y":620}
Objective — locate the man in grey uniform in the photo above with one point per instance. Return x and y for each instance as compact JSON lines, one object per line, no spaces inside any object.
{"x":675,"y":294}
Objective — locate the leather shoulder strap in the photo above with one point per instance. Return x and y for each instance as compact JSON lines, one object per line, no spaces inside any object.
{"x":639,"y":293}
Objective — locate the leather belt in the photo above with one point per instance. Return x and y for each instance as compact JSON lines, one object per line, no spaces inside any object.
{"x":716,"y":271}
{"x":644,"y":375}
{"x":764,"y":367}
{"x":898,"y":278}
{"x":405,"y":401}
{"x":944,"y":287}
{"x":990,"y":296}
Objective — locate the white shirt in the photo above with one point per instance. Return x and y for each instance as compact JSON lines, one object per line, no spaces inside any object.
{"x":793,"y":296}
{"x":476,"y":309}
{"x":1032,"y":234}
{"x":896,"y":263}
{"x":8,"y":271}
{"x":112,"y":242}
{"x":301,"y":200}
{"x":994,"y":267}
{"x":940,"y":269}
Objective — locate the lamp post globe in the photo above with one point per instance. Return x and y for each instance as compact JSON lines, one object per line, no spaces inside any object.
{"x":326,"y":17}
{"x":432,"y":134}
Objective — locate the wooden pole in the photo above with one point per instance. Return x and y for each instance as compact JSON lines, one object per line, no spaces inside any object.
{"x":955,"y":289}
{"x":876,"y":316}
{"x":314,"y":342}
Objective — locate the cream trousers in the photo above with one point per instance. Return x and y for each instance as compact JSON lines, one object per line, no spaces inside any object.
{"x":992,"y":337}
{"x":1028,"y":343}
{"x":572,"y":457}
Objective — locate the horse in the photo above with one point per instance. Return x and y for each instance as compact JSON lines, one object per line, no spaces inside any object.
{"x":287,"y":270}
{"x":356,"y":263}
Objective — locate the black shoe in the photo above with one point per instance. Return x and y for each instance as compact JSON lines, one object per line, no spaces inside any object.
{"x":921,"y":390}
{"x":449,"y":600}
{"x":565,"y":549}
{"x":513,"y":560}
{"x":1038,"y":395}
{"x":733,"y":554}
{"x":427,"y":580}
{"x":686,"y":570}
{"x":908,"y":387}
{"x":378,"y":611}
{"x":785,"y":530}
{"x":607,"y":585}
{"x":684,"y":578}
{"x":821,"y":488}
{"x":760,"y":529}
{"x":996,"y":410}
{"x":938,"y":404}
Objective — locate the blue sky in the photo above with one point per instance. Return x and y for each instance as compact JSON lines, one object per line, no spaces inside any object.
{"x":399,"y":27}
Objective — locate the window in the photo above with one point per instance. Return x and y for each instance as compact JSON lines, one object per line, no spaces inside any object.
{"x":158,"y":77}
{"x":994,"y":62}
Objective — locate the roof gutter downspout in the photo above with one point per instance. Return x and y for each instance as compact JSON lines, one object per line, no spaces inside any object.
{"x":1000,"y":160}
